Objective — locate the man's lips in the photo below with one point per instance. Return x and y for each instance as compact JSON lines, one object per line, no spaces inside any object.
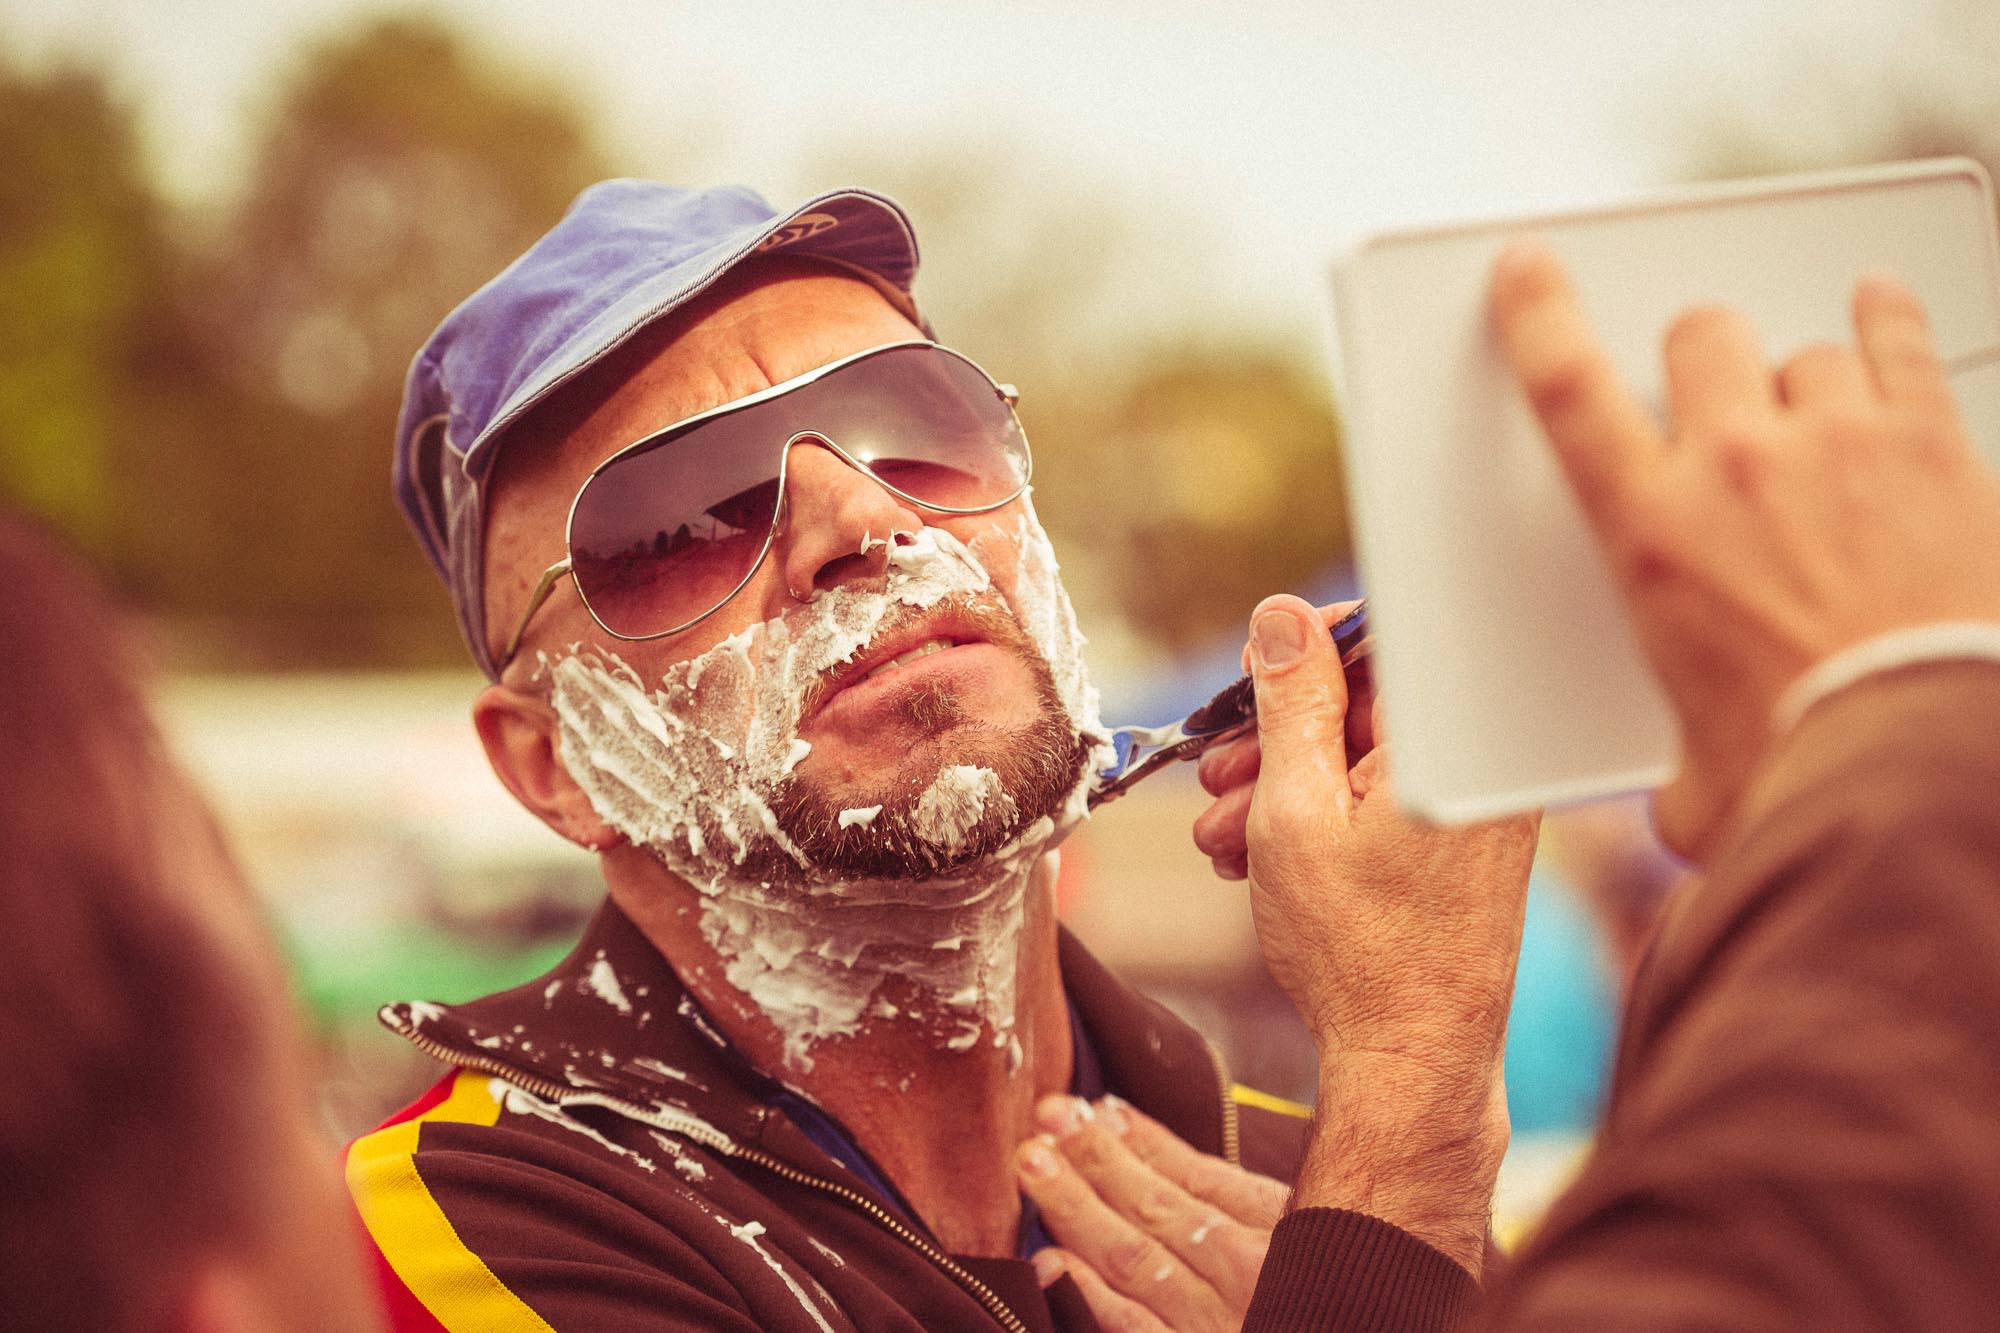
{"x":892,"y":651}
{"x":924,"y":649}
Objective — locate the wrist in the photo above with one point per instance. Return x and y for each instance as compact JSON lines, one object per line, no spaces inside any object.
{"x":1416,"y":1146}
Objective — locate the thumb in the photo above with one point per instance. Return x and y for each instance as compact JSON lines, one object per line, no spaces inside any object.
{"x":1301,"y":701}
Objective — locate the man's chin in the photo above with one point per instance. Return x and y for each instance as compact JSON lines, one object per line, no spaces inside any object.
{"x":897,"y":854}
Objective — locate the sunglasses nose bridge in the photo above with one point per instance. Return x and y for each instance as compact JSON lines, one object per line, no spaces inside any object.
{"x":827,"y":444}
{"x":833,"y":514}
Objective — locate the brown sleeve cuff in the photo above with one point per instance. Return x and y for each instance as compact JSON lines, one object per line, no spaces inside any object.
{"x":1330,"y":1268}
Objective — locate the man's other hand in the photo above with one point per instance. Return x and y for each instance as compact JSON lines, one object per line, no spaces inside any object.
{"x":1397,"y":941}
{"x":1783,"y":516}
{"x":1156,"y":1234}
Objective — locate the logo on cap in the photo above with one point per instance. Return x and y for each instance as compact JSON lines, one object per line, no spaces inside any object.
{"x":798,"y":229}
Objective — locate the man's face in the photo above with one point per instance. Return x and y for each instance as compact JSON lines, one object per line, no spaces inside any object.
{"x":956,"y":682}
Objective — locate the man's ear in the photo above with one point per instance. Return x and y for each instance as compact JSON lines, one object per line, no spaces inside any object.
{"x":519,"y":733}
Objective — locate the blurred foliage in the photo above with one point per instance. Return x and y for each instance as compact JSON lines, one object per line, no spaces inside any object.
{"x":84,"y":279}
{"x":1199,"y":485}
{"x":209,"y":410}
{"x":205,"y":402}
{"x":398,"y":172}
{"x":1017,"y":253}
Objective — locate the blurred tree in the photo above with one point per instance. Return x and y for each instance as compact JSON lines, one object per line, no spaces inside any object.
{"x":1020,"y":258}
{"x":84,"y":281}
{"x":1194,"y":487}
{"x":400,"y":170}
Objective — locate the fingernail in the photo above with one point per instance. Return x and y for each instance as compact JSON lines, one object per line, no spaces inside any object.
{"x":1513,"y":257}
{"x":1280,"y":638}
{"x":1047,"y":1267}
{"x":1063,"y":1116}
{"x":1884,"y":287}
{"x":1111,"y":1114}
{"x":1037,"y":1160}
{"x":1519,"y":257}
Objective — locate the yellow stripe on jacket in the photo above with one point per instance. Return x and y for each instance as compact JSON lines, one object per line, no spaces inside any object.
{"x":412,"y":1232}
{"x":1244,"y":1095}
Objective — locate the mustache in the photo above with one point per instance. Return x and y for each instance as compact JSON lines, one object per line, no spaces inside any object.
{"x":990,"y":618}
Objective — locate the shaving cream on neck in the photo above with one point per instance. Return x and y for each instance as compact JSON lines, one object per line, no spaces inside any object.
{"x":688,"y":767}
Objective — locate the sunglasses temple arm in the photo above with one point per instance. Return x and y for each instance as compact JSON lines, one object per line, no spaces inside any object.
{"x":541,"y":594}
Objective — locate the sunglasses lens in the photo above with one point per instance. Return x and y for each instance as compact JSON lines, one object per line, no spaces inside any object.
{"x":926,"y":422}
{"x":664,"y":534}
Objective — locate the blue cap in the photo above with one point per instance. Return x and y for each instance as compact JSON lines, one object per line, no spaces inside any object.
{"x":626,"y":253}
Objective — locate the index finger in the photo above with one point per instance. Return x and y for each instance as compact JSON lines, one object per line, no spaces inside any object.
{"x":1253,"y":1200}
{"x":1603,"y":438}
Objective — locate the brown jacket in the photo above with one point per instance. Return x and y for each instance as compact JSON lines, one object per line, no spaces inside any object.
{"x":1804,"y":1128}
{"x":598,"y":1161}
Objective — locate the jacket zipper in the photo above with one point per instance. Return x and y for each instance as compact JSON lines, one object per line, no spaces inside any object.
{"x":978,"y":1290}
{"x":1232,"y":1128}
{"x":715,"y":1140}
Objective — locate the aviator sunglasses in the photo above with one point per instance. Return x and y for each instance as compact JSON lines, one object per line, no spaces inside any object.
{"x":664,"y":532}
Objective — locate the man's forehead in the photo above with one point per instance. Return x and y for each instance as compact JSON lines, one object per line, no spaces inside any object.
{"x":755,"y":329}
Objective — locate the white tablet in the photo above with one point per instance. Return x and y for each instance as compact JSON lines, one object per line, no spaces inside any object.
{"x":1510,"y":675}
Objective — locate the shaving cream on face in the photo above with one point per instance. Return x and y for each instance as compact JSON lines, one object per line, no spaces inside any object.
{"x":690,"y":768}
{"x":955,"y":804}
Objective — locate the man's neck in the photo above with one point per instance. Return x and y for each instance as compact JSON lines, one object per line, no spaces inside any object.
{"x":941,"y":1122}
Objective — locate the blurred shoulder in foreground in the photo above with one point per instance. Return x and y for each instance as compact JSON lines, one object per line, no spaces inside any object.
{"x":162,"y":1173}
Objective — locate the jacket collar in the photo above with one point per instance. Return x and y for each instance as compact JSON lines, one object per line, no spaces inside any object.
{"x":613,"y":1020}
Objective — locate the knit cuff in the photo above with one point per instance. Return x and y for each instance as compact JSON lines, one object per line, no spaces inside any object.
{"x":1330,"y":1268}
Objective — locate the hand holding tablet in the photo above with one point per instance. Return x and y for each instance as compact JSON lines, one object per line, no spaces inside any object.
{"x":1790,"y":514}
{"x":1512,"y":672}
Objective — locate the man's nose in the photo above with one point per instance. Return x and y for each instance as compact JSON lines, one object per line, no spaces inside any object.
{"x":832,"y":509}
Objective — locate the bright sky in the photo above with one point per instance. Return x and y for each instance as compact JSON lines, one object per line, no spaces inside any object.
{"x":1283,"y":128}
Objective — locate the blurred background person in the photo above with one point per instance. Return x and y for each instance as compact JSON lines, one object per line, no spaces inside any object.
{"x":162,"y":1170}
